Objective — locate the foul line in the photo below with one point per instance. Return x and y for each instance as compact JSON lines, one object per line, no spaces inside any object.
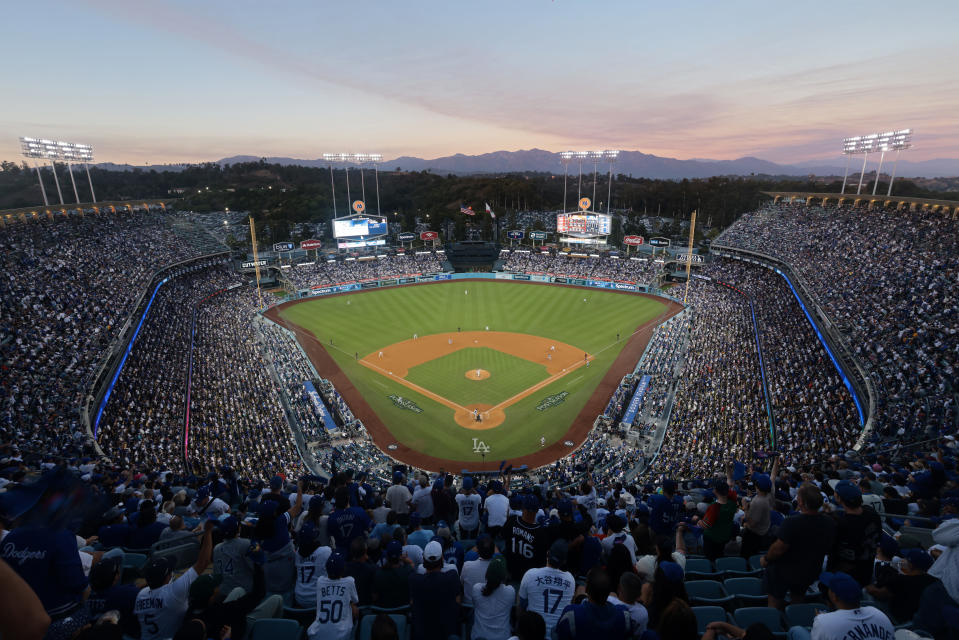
{"x":414,"y":387}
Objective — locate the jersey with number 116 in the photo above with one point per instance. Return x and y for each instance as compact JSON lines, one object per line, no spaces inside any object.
{"x":547,"y":592}
{"x":526,"y":546}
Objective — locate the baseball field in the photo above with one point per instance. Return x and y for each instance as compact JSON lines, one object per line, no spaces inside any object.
{"x":461,"y":372}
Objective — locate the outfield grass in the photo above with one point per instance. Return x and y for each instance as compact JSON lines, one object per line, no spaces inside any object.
{"x":362,"y":323}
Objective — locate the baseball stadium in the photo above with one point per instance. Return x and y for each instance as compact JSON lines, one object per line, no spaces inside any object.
{"x":592,"y":394}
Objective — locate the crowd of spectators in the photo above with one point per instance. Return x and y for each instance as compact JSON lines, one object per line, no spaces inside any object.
{"x":348,"y":269}
{"x":605,"y":266}
{"x":68,"y":286}
{"x":594,"y":557}
{"x":886,"y":279}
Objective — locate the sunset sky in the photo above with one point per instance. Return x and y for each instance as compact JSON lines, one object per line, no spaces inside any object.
{"x":164,"y":81}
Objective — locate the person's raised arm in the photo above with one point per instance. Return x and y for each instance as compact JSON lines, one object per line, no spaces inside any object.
{"x":680,"y":538}
{"x":22,"y":616}
{"x":206,"y":548}
{"x":298,"y":505}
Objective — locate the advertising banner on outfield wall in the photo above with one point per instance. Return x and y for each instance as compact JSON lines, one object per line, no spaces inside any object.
{"x":406,"y":237}
{"x":311,"y":244}
{"x":429,"y":235}
{"x":282,"y":246}
{"x":503,"y":276}
{"x":633,"y":408}
{"x":537,"y":235}
{"x":540,"y":278}
{"x":318,"y":405}
{"x":560,"y":280}
{"x":520,"y":276}
{"x":337,"y":288}
{"x":515,"y":234}
{"x":406,"y":280}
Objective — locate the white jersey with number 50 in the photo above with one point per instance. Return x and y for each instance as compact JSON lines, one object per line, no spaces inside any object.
{"x":547,"y":592}
{"x":308,"y":569}
{"x":334,"y":615}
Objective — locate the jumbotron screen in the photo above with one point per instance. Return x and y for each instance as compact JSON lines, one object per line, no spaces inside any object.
{"x":583,"y":224}
{"x":354,"y":227}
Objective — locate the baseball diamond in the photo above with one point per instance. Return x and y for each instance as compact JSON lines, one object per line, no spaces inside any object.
{"x":488,"y":363}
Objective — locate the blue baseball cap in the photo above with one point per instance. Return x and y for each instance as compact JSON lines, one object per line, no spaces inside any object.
{"x":394,"y":549}
{"x":335,"y":565}
{"x":847,"y":491}
{"x":467,"y":483}
{"x":202,"y":492}
{"x":276,"y":482}
{"x":397,"y":476}
{"x":669,"y":485}
{"x":842,"y":585}
{"x":565,"y":507}
{"x":308,"y":533}
{"x":918,"y":558}
{"x":230,"y":526}
{"x":888,"y":545}
{"x":316,"y":503}
{"x":530,"y":502}
{"x":763,"y":482}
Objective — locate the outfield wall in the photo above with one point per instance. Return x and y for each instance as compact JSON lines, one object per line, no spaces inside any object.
{"x":325,"y":290}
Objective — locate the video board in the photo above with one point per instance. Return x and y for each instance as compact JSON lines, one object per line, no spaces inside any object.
{"x":583,"y":224}
{"x":359,"y":226}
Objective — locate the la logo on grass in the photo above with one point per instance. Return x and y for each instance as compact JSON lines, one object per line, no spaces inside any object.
{"x":479,"y":446}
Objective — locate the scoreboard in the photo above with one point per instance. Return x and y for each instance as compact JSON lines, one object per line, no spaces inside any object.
{"x":359,"y":226}
{"x":583,"y":224}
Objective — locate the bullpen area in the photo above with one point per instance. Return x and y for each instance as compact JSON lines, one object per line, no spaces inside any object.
{"x":460,"y":375}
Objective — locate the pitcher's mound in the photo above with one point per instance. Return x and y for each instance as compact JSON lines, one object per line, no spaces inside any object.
{"x":477,"y":374}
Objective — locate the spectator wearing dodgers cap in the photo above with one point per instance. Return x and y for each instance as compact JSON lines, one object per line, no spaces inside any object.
{"x":903,"y":590}
{"x":435,"y":597}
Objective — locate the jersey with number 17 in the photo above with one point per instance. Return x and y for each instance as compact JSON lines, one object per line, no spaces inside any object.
{"x":334,"y":615}
{"x":547,"y":591}
{"x":308,"y":569}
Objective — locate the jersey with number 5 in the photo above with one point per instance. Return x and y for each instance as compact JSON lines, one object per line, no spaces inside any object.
{"x":334,"y":616}
{"x":547,"y":592}
{"x":308,"y":569}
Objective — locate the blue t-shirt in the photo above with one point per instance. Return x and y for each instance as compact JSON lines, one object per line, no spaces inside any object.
{"x":145,"y":537}
{"x":48,"y":561}
{"x":664,"y":513}
{"x":114,"y":535}
{"x":588,"y":620}
{"x":346,"y":524}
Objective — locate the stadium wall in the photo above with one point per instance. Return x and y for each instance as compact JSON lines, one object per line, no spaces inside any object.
{"x":852,"y":372}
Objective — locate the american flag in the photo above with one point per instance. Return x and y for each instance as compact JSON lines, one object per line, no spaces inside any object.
{"x":467,"y":210}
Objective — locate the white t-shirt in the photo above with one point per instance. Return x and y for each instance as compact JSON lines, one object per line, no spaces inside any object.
{"x":308,"y":569}
{"x":334,"y":616}
{"x":491,"y":613}
{"x":589,"y":501}
{"x":217,"y":508}
{"x":646,"y":565}
{"x":622,"y":538}
{"x":497,"y":506}
{"x":398,"y":497}
{"x":865,"y":623}
{"x":423,"y":501}
{"x":469,"y":510}
{"x":160,"y":611}
{"x":474,"y":572}
{"x":547,"y":591}
{"x":638,"y":616}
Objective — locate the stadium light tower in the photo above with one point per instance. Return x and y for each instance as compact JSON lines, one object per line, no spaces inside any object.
{"x":360,"y":159}
{"x":32,"y":148}
{"x":71,"y":152}
{"x":882,"y":142}
{"x":67,"y":152}
{"x":898,"y":142}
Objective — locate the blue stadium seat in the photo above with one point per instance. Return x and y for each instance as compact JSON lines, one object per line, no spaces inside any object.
{"x":772,"y":618}
{"x":275,"y":629}
{"x":802,"y":615}
{"x":701,"y":569}
{"x":366,"y":626}
{"x":734,"y":567}
{"x":707,"y":592}
{"x":705,"y":615}
{"x":304,"y":617}
{"x":748,"y":591}
{"x":754,"y":562}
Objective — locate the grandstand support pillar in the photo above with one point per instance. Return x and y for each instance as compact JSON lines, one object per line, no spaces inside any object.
{"x":892,"y":177}
{"x":43,"y":191}
{"x":348,"y":203}
{"x":93,"y":196}
{"x":56,"y":180}
{"x":332,"y":190}
{"x":595,"y":170}
{"x":862,"y":173}
{"x":579,"y":187}
{"x":73,"y":181}
{"x":875,"y":185}
{"x":609,"y":188}
{"x":362,"y":186}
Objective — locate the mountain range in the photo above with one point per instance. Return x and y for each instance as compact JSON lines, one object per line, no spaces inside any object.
{"x":634,"y":163}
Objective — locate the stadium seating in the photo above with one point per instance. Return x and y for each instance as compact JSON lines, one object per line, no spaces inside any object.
{"x":708,"y":592}
{"x":747,"y":591}
{"x":707,"y":614}
{"x":772,"y":618}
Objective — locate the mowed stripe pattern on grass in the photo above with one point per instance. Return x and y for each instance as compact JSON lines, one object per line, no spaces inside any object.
{"x":366,"y":322}
{"x":447,"y":376}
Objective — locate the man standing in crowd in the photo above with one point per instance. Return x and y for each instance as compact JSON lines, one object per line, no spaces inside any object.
{"x":794,"y":559}
{"x":664,"y":509}
{"x":468,"y":502}
{"x":336,"y":603}
{"x":435,"y":598}
{"x":398,"y":498}
{"x":550,"y":589}
{"x":858,"y":530}
{"x":525,"y":539}
{"x":596,"y":617}
{"x":497,"y":508}
{"x":423,"y":500}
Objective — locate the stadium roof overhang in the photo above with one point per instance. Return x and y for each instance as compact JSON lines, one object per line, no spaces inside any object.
{"x":949,"y":207}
